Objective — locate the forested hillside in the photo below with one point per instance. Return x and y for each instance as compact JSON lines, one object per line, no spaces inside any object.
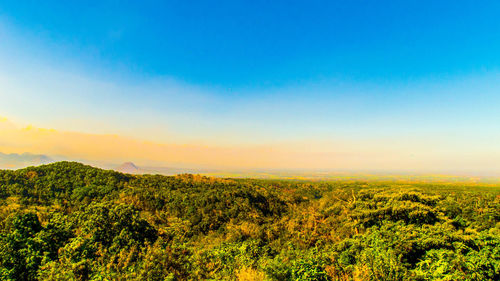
{"x":68,"y":221}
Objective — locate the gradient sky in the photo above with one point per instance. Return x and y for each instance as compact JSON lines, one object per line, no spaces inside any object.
{"x":410,"y":85}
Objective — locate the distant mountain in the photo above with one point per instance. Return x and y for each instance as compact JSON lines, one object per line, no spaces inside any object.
{"x":16,"y":161}
{"x":128,"y":168}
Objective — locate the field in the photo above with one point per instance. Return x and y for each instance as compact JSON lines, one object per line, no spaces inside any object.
{"x":68,"y":221}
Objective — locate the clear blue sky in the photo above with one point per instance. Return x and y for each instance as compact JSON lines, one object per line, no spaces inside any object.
{"x":241,"y":44}
{"x":256,"y":71}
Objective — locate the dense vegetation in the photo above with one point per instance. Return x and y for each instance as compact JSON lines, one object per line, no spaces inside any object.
{"x":68,"y":221}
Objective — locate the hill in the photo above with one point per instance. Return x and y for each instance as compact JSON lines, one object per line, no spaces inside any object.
{"x":14,"y":160}
{"x":68,"y":221}
{"x":128,"y":168}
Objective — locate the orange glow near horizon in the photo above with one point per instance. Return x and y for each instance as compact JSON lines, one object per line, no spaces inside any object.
{"x":293,"y":155}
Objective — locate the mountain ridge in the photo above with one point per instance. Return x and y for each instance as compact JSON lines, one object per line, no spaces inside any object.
{"x":16,"y":161}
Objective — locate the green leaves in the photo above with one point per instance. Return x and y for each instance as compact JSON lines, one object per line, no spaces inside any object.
{"x":27,"y":245}
{"x":115,"y":226}
{"x":68,"y":221}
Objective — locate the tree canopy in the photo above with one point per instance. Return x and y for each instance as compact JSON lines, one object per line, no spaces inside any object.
{"x":68,"y":221}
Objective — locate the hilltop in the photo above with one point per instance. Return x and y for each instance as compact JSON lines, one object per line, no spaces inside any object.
{"x":69,"y":221}
{"x":128,"y":168}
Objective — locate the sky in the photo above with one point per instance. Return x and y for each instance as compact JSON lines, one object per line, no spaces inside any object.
{"x":390,"y":85}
